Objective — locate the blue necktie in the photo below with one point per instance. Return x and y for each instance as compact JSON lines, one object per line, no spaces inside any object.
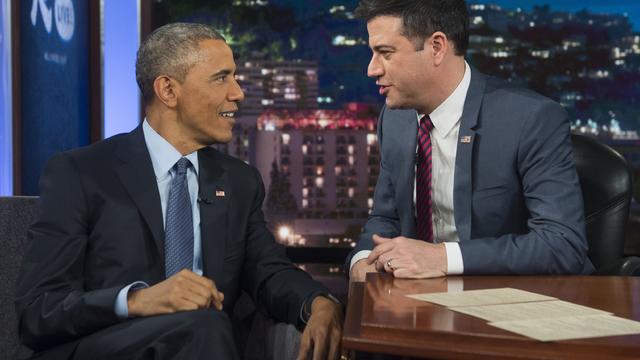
{"x":178,"y":243}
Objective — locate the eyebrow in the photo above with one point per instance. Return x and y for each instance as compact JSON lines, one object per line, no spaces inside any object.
{"x":224,"y":72}
{"x":379,"y":48}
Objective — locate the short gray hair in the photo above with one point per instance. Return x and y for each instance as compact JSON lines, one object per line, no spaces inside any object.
{"x":169,"y":50}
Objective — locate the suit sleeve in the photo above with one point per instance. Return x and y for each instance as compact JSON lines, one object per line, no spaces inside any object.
{"x":555,"y":242}
{"x":51,"y":302}
{"x":384,"y":219}
{"x":279,"y":287}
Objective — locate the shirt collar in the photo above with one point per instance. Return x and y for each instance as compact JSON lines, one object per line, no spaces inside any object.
{"x":163,"y":154}
{"x":447,"y":115}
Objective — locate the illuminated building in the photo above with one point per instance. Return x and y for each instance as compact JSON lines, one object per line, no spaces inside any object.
{"x":330,"y":157}
{"x":288,"y":84}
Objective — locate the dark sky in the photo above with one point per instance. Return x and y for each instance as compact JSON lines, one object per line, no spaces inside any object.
{"x":631,"y":7}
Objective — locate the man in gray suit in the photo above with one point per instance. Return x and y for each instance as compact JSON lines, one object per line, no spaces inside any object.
{"x":476,"y":176}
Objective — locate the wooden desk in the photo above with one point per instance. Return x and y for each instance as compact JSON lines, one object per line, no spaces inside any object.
{"x":380,"y":319}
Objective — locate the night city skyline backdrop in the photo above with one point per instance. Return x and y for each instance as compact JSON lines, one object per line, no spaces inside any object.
{"x":630,"y":7}
{"x":308,"y":121}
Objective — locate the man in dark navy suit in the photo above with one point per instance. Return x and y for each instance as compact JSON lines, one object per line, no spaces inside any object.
{"x":145,"y":240}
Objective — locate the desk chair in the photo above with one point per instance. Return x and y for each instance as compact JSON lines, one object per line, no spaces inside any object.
{"x":606,"y":185}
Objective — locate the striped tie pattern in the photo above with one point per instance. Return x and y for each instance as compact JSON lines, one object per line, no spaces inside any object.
{"x":423,"y":181}
{"x":178,"y":243}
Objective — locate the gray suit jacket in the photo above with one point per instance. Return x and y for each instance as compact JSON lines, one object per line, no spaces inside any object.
{"x":517,"y":201}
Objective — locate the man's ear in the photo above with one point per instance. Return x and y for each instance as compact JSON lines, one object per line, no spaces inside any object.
{"x":439,"y":44}
{"x":166,"y":90}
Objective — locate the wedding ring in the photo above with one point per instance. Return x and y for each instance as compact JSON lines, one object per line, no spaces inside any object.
{"x":389,"y":263}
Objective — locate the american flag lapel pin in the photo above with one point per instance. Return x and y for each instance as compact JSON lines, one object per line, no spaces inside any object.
{"x":465,"y":140}
{"x":220,"y":193}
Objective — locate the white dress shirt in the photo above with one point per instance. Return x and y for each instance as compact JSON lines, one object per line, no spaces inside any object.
{"x":444,"y":142}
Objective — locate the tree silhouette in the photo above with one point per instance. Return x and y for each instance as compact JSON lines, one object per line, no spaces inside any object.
{"x":281,"y":204}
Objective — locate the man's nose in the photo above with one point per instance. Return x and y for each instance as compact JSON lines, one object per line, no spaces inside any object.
{"x":374,"y":69}
{"x":235,"y":93}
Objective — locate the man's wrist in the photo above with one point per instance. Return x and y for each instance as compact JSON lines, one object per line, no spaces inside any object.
{"x":131,"y":300}
{"x":360,"y":255}
{"x":308,"y":307}
{"x":122,"y":307}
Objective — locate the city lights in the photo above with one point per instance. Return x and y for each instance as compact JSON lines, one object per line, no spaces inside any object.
{"x":327,"y":146}
{"x":284,"y":232}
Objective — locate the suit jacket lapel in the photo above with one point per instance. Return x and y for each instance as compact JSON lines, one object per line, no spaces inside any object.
{"x":408,"y":143}
{"x":138,"y":178}
{"x":214,"y":194}
{"x":462,"y":183}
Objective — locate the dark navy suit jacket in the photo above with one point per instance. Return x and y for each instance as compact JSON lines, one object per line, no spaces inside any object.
{"x":517,"y":201}
{"x":100,"y":228}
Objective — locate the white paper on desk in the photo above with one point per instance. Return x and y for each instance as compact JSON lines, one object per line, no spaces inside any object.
{"x":481,"y":297}
{"x":528,"y":311}
{"x":566,"y":328}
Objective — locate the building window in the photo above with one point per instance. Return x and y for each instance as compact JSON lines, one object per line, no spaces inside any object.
{"x":371,"y":139}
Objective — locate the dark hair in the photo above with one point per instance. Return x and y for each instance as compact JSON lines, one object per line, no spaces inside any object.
{"x":170,"y":50}
{"x":422,"y":18}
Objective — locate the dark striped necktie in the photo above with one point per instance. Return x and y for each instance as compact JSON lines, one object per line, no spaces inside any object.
{"x":424,"y":200}
{"x":178,"y":242}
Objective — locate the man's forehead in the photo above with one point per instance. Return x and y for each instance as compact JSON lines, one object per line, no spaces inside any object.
{"x":383,"y":28}
{"x":384,"y":25}
{"x":219,"y":47}
{"x":216,"y":52}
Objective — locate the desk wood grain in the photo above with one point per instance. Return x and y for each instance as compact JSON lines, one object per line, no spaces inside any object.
{"x":380,"y":319}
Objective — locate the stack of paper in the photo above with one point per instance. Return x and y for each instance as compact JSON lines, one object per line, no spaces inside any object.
{"x":533,"y":315}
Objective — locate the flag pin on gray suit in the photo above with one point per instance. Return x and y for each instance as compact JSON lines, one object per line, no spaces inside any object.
{"x":465,"y":140}
{"x":219,"y":193}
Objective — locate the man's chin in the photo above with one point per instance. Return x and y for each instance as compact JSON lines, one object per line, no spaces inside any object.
{"x":225,"y":139}
{"x":219,"y":139}
{"x":396,"y":105}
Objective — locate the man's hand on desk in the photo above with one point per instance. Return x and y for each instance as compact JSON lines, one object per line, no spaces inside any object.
{"x":408,"y":258}
{"x":323,"y":331}
{"x":183,"y":291}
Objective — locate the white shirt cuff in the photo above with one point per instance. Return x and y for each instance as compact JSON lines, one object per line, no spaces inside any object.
{"x":455,"y":266}
{"x":362,"y":254}
{"x":122,"y":309}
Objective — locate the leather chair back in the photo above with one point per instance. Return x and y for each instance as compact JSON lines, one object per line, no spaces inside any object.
{"x":606,"y":184}
{"x":17,"y":213}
